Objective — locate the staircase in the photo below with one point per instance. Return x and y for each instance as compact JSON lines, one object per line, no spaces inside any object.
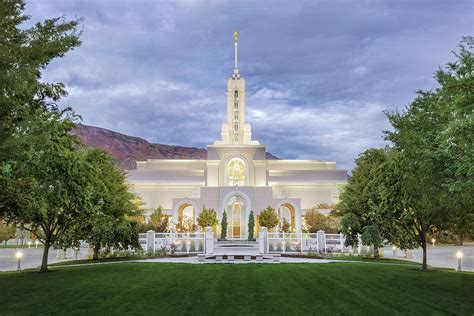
{"x":236,"y":246}
{"x":236,"y":250}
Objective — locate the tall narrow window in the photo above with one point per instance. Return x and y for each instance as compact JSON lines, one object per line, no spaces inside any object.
{"x":236,"y":117}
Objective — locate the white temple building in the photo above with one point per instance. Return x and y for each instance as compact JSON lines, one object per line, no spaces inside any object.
{"x":236,"y":176}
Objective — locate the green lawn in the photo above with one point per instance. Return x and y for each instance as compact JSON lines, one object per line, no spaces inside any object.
{"x":19,"y":246}
{"x":159,"y":288}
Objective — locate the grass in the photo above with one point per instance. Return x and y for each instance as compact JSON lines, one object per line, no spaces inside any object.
{"x":267,"y":289}
{"x":18,"y":246}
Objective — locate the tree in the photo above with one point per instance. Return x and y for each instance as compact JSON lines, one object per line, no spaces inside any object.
{"x":112,"y":203}
{"x":251,"y":226}
{"x":60,"y":197}
{"x":360,"y":202}
{"x":224,"y":226}
{"x":7,"y":232}
{"x":25,"y":100}
{"x":159,"y":220}
{"x":285,"y":226}
{"x":43,"y":181}
{"x":316,"y":221}
{"x":268,"y":218}
{"x":435,"y":163}
{"x":207,"y":218}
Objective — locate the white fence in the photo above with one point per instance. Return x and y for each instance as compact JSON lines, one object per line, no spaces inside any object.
{"x":302,"y":242}
{"x":173,"y":242}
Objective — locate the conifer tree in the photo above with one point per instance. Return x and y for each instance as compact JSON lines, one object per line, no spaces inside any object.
{"x":251,"y":225}
{"x":224,"y":226}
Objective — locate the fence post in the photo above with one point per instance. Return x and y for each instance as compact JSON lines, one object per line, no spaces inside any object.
{"x":150,"y":241}
{"x":301,"y":242}
{"x":208,"y":240}
{"x":263,"y":241}
{"x":341,"y":242}
{"x":321,"y":236}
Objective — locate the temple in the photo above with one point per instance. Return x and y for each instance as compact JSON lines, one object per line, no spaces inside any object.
{"x":236,"y":177}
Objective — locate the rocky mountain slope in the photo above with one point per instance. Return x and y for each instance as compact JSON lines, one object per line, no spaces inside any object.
{"x":128,"y":149}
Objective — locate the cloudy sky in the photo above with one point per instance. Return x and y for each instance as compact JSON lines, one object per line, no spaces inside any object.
{"x":319,"y":73}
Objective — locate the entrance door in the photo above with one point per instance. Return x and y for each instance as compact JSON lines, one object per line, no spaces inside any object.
{"x":237,"y":208}
{"x":236,"y":218}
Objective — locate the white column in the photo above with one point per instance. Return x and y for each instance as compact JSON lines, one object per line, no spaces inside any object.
{"x":341,"y":240}
{"x":263,"y":240}
{"x":208,"y":240}
{"x":321,"y":236}
{"x":150,"y":240}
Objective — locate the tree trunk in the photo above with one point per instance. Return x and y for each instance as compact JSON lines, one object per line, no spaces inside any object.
{"x":461,"y":239}
{"x":96,"y":252}
{"x":376,"y":253}
{"x":44,"y":261}
{"x":424,"y":267}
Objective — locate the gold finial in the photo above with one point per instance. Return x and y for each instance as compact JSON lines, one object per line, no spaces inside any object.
{"x":236,"y":36}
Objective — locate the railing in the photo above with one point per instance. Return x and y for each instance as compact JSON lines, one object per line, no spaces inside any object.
{"x":173,"y":242}
{"x":304,"y":242}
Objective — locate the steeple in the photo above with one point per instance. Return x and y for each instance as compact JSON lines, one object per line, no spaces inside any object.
{"x":236,"y":44}
{"x":236,"y":131}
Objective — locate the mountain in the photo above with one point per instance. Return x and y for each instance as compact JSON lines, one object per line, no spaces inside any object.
{"x":128,"y":149}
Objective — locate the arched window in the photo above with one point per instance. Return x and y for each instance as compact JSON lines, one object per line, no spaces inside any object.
{"x":236,"y":218}
{"x":236,"y":172}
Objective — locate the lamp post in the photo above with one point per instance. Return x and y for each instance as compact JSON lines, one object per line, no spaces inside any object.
{"x":36,"y":243}
{"x":394,"y":249}
{"x":29,"y":244}
{"x":459,"y":255}
{"x":18,"y":255}
{"x":433,"y":241}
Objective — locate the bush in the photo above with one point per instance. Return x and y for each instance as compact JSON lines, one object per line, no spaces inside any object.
{"x":268,"y":218}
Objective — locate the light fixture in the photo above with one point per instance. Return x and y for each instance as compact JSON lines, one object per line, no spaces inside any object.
{"x":459,"y":255}
{"x":18,"y":255}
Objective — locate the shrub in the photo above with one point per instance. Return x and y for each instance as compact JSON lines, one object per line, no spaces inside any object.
{"x":224,"y":226}
{"x":251,"y":225}
{"x":268,"y":218}
{"x":207,"y":218}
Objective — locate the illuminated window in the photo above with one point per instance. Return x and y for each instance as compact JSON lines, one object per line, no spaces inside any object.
{"x":236,"y":172}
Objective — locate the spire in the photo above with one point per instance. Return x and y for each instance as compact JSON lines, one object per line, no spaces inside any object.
{"x":236,"y":74}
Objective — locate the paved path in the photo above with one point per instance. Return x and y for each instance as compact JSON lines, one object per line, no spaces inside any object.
{"x":31,"y":257}
{"x":442,"y":256}
{"x":438,"y":256}
{"x":194,"y":260}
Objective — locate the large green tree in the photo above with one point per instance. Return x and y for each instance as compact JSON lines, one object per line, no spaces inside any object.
{"x":112,"y":204}
{"x":35,"y":150}
{"x":360,"y":202}
{"x":25,"y":98}
{"x":433,"y":171}
{"x":60,"y":193}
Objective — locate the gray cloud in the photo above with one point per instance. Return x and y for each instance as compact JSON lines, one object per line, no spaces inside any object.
{"x":319,"y":73}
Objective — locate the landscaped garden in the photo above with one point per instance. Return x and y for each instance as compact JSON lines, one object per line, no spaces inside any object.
{"x":151,"y":288}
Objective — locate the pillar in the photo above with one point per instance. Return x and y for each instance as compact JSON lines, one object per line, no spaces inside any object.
{"x":321,"y":236}
{"x":263,"y":240}
{"x":150,"y":241}
{"x":208,"y":240}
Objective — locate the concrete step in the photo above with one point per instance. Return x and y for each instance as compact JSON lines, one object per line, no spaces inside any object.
{"x":236,"y":250}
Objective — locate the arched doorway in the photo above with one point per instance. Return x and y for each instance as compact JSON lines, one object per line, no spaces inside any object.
{"x":286,"y":212}
{"x":236,"y":213}
{"x":186,"y":218}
